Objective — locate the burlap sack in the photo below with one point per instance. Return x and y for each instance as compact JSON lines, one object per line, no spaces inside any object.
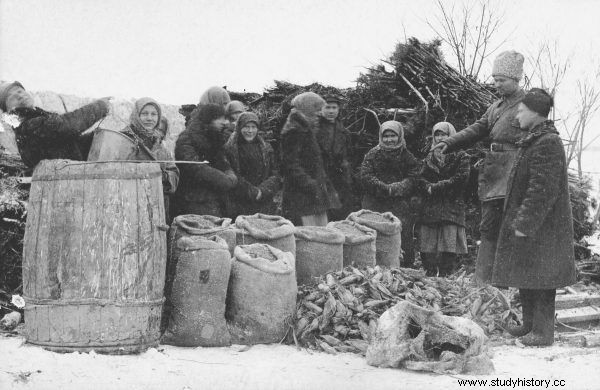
{"x":266,"y":229}
{"x":191,"y":225}
{"x":199,"y":293}
{"x":359,"y":244}
{"x":261,"y":301}
{"x":319,"y":250}
{"x":389,"y":228}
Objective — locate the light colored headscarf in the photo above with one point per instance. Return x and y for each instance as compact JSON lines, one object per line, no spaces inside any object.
{"x":395,"y":127}
{"x":148,"y":136}
{"x":445,"y":127}
{"x":215,"y":95}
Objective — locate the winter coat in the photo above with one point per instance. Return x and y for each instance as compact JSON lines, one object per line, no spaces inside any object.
{"x":306,"y":187}
{"x":537,"y":204}
{"x":48,"y":135}
{"x":335,"y":144}
{"x":170,"y":172}
{"x":446,"y":202}
{"x":242,"y":200}
{"x":381,"y":168}
{"x":500,"y":126}
{"x":202,"y":187}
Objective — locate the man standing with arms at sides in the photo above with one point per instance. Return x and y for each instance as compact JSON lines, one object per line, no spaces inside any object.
{"x":502,"y":128}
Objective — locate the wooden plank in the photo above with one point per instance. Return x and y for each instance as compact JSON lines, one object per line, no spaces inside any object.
{"x":569,"y":301}
{"x":581,"y":339}
{"x":146,"y":209}
{"x":92,"y":232}
{"x":70,"y":275}
{"x":112,"y":223}
{"x":129,"y":239}
{"x":578,"y":314}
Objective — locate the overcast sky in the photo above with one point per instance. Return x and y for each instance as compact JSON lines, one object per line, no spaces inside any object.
{"x":173,"y":50}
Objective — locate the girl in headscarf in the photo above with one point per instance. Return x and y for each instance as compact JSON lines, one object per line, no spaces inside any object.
{"x":144,"y":127}
{"x":388,"y":175}
{"x":442,"y":232}
{"x":253,"y":161}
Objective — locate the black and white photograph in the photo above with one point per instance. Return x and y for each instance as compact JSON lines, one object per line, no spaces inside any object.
{"x":261,"y":194}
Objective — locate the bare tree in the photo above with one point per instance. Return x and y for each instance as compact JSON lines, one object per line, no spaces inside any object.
{"x":548,"y":66}
{"x":469,"y":32}
{"x":588,"y":90}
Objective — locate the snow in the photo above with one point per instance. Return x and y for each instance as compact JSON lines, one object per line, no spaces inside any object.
{"x":24,"y":366}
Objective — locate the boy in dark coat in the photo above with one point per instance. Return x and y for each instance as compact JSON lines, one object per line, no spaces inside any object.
{"x":535,"y":246}
{"x":334,"y":141}
{"x":388,"y":175}
{"x":48,"y":135}
{"x":442,"y":232}
{"x":202,"y":187}
{"x":307,"y":191}
{"x":253,"y":161}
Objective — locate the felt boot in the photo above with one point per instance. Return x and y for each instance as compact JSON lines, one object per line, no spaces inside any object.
{"x":446,"y":263}
{"x":527,"y":320}
{"x":429,"y":261}
{"x":542,"y":332}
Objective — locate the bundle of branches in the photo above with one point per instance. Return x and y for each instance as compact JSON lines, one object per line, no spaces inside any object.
{"x":13,"y":205}
{"x":339,"y":313}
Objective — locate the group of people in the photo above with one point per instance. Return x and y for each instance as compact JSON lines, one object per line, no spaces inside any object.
{"x":526,"y":227}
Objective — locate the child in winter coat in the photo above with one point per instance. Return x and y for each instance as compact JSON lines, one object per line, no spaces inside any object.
{"x":203,"y":187}
{"x":307,"y":191}
{"x":253,"y":161}
{"x":388,"y":175}
{"x":442,"y":232}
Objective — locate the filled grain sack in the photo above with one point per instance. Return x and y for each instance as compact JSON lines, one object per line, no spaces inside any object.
{"x":199,"y":293}
{"x":319,"y":250}
{"x":359,"y":244}
{"x":266,"y":229}
{"x":261,"y":301}
{"x":388,"y":241}
{"x":191,"y":225}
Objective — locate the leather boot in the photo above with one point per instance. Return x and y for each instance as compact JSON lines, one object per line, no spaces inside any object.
{"x":542,"y":332}
{"x":527,"y":320}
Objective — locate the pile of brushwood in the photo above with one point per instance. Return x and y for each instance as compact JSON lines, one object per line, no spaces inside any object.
{"x":13,"y":213}
{"x":339,"y":313}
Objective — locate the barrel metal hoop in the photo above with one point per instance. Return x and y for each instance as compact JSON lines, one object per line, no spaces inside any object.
{"x":31,"y":302}
{"x":93,"y":176}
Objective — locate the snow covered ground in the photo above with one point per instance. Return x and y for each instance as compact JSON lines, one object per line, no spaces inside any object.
{"x":24,"y":366}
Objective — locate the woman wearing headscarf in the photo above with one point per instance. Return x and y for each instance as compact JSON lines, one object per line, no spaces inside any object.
{"x":535,"y":246}
{"x":388,"y":174}
{"x":215,"y":95}
{"x":253,"y":161}
{"x":203,"y":187}
{"x":145,"y":128}
{"x":443,"y":178}
{"x":307,"y":191}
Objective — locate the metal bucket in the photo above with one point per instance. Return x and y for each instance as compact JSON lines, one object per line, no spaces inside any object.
{"x":110,"y":145}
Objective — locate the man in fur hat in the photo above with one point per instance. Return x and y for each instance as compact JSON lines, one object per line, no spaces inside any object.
{"x":502,"y":128}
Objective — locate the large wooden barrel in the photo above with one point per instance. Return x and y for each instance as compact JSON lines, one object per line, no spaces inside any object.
{"x":94,"y":256}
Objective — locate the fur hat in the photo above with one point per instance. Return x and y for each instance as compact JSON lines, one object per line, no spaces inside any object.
{"x":539,"y":101}
{"x":396,"y":128}
{"x":234,"y":106}
{"x":509,"y":64}
{"x":245,"y":118}
{"x":308,"y":103}
{"x":4,"y":90}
